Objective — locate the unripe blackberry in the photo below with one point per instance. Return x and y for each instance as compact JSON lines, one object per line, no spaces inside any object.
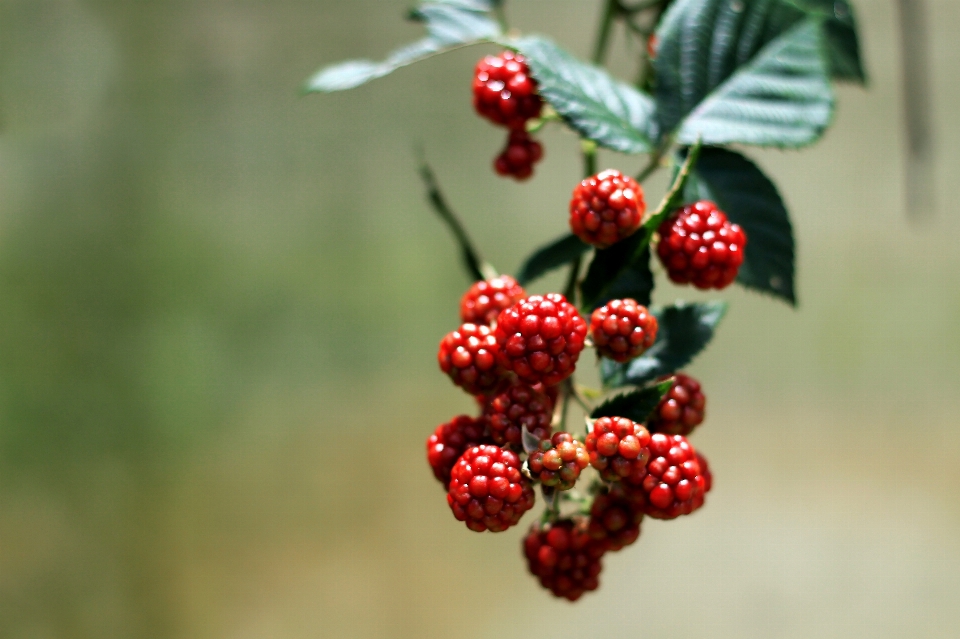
{"x":485,"y":299}
{"x":469,"y":356}
{"x":673,"y":478}
{"x":515,"y":407}
{"x":516,"y":160}
{"x":558,"y":462}
{"x":487,"y":490}
{"x":699,"y":246}
{"x":681,"y":409}
{"x":606,"y":208}
{"x":504,"y":92}
{"x":540,"y":338}
{"x":622,"y":329}
{"x":564,"y":558}
{"x":616,"y":515}
{"x":619,"y":449}
{"x":705,"y":483}
{"x":448,"y":441}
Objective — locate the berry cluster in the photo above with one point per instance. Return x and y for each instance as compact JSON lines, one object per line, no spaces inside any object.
{"x":505,"y":94}
{"x":515,"y":353}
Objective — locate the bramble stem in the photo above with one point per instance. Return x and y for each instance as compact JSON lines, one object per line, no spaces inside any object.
{"x":478,"y":268}
{"x":610,"y":11}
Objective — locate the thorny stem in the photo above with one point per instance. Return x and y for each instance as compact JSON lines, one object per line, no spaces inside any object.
{"x":471,"y":257}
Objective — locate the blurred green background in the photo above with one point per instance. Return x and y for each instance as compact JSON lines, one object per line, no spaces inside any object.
{"x":220,"y":304}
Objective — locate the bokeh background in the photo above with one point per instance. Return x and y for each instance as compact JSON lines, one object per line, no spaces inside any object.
{"x":219,"y":310}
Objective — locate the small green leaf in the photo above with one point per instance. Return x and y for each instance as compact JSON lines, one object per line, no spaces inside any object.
{"x":636,"y":405}
{"x":613,"y":114}
{"x":843,"y":43}
{"x":684,"y":331}
{"x":618,"y":272}
{"x":750,"y":199}
{"x":553,"y":255}
{"x":449,"y":23}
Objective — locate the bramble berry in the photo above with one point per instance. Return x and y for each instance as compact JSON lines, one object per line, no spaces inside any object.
{"x":469,"y":356}
{"x":619,"y":449}
{"x":706,"y":481}
{"x":541,"y":338}
{"x":448,"y":442}
{"x":558,"y":462}
{"x":699,"y":246}
{"x":616,"y":515}
{"x":680,"y":410}
{"x":487,"y":490}
{"x":622,"y":329}
{"x":504,"y":92}
{"x":606,"y":208}
{"x":518,"y":157}
{"x":564,"y":558}
{"x":485,"y":299}
{"x":673,"y":478}
{"x":514,"y":408}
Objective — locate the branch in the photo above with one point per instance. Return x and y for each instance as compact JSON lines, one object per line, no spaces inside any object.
{"x":478,"y":268}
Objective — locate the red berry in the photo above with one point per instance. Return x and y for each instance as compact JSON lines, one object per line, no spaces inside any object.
{"x":504,"y":92}
{"x":487,"y":490}
{"x":514,"y":408}
{"x":616,"y":514}
{"x":540,"y":338}
{"x":469,"y":356}
{"x":699,"y":246}
{"x":623,"y":329}
{"x":619,"y":449}
{"x":706,"y":482}
{"x":673,"y":478}
{"x":485,"y":299}
{"x":558,"y":462}
{"x":606,"y":208}
{"x":448,"y":442}
{"x":681,"y":409}
{"x":518,"y":157}
{"x":564,"y":558}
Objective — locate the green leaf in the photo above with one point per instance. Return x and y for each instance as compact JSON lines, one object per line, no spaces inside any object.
{"x":618,"y":272}
{"x":750,"y":71}
{"x":843,"y":43}
{"x":553,"y":255}
{"x":636,"y":405}
{"x":613,"y":114}
{"x":449,"y":23}
{"x":750,"y":199}
{"x":684,"y":331}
